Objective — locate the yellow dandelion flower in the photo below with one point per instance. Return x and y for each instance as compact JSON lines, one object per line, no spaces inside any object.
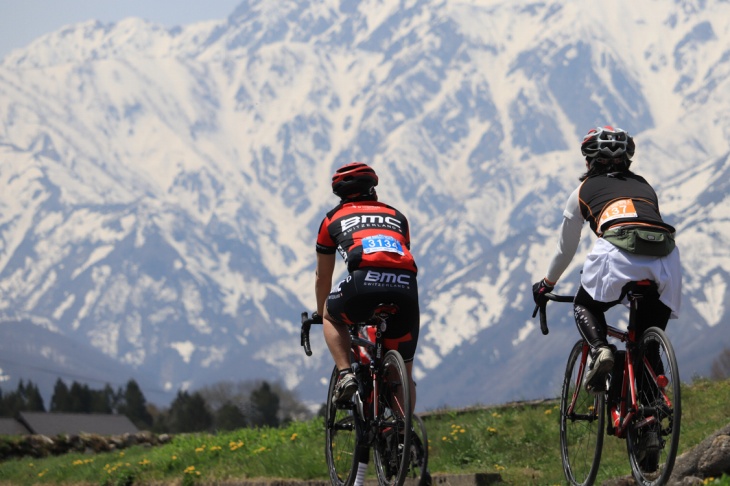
{"x":462,"y":431}
{"x":173,"y":457}
{"x":495,"y":414}
{"x":548,"y":411}
{"x":189,"y":470}
{"x":491,"y":430}
{"x":199,"y":449}
{"x":215,"y":448}
{"x":294,"y":436}
{"x":145,"y":462}
{"x":444,"y":438}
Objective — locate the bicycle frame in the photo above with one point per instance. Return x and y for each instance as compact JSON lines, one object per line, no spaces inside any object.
{"x":375,"y":349}
{"x":644,"y":408}
{"x":628,"y":408}
{"x":375,"y":353}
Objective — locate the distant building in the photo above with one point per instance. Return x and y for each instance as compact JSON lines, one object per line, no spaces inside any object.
{"x":10,"y":426}
{"x":51,"y":424}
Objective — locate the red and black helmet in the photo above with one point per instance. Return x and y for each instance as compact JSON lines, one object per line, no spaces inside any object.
{"x":354,"y":178}
{"x":607,"y":143}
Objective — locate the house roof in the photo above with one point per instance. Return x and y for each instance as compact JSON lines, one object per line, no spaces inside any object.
{"x":51,"y":424}
{"x":9,"y":426}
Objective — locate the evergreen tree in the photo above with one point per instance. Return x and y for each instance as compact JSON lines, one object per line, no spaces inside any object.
{"x":103,"y":401}
{"x":265,"y":406}
{"x":80,"y":398}
{"x":33,"y":399}
{"x":188,"y":413}
{"x":12,"y":402}
{"x":61,"y":398}
{"x":229,"y":417}
{"x":26,"y":398}
{"x":134,"y":406}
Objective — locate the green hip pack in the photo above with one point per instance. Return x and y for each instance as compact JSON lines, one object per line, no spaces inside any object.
{"x":649,"y":242}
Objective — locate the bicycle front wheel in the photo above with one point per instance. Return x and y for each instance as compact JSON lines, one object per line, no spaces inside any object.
{"x":340,"y":439}
{"x":393,"y":423}
{"x":653,"y":436}
{"x":581,"y":422}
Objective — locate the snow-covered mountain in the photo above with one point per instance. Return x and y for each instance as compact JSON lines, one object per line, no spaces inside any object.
{"x":162,"y":188}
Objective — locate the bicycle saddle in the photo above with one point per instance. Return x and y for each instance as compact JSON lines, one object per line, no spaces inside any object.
{"x":385,"y":310}
{"x":646,"y":288}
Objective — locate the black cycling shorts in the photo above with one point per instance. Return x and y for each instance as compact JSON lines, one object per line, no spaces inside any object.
{"x":355,"y":298}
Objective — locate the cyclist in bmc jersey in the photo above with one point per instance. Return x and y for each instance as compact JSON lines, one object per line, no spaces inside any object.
{"x":634,"y":243}
{"x":374,"y":240}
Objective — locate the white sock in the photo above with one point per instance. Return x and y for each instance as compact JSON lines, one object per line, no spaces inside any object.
{"x":361,"y":469}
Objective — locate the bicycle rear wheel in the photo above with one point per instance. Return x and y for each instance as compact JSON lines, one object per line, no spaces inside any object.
{"x":653,"y":436}
{"x":393,"y":433}
{"x":581,"y":422}
{"x":341,"y":439}
{"x":419,"y":453}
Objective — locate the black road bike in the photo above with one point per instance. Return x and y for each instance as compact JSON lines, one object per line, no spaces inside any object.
{"x":379,"y":415}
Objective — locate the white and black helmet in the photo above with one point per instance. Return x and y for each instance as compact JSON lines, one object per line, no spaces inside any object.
{"x":607,"y":143}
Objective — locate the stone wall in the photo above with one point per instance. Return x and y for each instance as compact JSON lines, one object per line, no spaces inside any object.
{"x":42,"y":446}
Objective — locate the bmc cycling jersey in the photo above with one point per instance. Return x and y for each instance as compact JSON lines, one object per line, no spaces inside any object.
{"x":619,"y":199}
{"x":368,"y":234}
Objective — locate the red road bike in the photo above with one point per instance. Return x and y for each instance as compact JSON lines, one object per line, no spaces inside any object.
{"x":642,"y":404}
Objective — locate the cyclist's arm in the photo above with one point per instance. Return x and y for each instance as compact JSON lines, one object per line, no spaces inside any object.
{"x":570,"y":231}
{"x":323,"y":279}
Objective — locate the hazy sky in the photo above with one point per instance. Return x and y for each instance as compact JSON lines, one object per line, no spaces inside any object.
{"x":22,"y":21}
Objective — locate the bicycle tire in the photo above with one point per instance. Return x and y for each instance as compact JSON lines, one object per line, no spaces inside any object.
{"x":393,"y":426}
{"x":341,"y":439}
{"x":652,"y":438}
{"x":418,"y":470}
{"x":582,"y":425}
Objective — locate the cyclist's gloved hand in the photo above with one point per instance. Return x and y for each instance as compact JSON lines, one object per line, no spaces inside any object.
{"x":539,"y":289}
{"x":316,"y":318}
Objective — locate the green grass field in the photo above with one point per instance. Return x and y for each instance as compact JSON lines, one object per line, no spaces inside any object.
{"x":518,"y":441}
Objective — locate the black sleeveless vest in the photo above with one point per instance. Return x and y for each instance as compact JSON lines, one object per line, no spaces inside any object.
{"x":619,"y":198}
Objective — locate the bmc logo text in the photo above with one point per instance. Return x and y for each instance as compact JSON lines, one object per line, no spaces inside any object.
{"x":387,"y":278}
{"x":366,"y":219}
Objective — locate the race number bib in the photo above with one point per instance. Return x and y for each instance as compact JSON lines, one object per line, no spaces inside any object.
{"x":623,"y":208}
{"x":371,"y":244}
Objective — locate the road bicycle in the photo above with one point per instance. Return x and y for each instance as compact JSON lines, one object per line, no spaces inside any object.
{"x":379,"y":415}
{"x":642,"y":404}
